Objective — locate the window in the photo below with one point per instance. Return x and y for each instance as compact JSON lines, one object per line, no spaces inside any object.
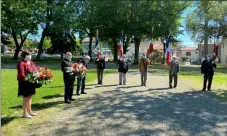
{"x":188,"y":53}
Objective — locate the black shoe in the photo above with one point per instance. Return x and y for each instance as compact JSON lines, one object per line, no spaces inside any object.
{"x":72,"y":99}
{"x":175,"y":86}
{"x":77,"y":94}
{"x":144,"y":84}
{"x":208,"y":90}
{"x":120,"y":83}
{"x":170,"y":87}
{"x":124,"y":83}
{"x":83,"y":93}
{"x":203,"y":89}
{"x":68,"y":102}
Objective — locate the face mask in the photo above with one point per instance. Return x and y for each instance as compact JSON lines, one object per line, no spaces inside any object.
{"x":68,"y":57}
{"x":208,"y":58}
{"x":28,"y":57}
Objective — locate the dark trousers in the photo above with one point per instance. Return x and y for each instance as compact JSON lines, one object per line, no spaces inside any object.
{"x":209,"y":78}
{"x":80,"y":84}
{"x":171,"y":79}
{"x":69,"y":87}
{"x":100,"y":75}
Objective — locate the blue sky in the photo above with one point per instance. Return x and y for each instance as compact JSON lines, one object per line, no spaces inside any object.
{"x":184,"y":38}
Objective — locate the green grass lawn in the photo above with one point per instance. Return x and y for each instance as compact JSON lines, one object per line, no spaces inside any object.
{"x":47,"y":100}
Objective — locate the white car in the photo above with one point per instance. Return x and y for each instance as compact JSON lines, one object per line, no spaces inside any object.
{"x":8,"y":52}
{"x":56,"y":55}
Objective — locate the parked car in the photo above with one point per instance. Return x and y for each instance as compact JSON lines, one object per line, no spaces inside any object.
{"x":8,"y":52}
{"x":56,"y":55}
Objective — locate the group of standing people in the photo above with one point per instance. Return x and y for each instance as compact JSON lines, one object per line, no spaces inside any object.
{"x":27,"y":90}
{"x":69,"y":78}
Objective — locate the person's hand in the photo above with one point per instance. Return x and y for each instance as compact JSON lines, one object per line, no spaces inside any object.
{"x":202,"y":74}
{"x":97,"y":59}
{"x":177,"y":73}
{"x":212,"y":62}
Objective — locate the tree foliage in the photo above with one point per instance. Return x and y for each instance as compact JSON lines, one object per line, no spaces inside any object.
{"x":20,"y":18}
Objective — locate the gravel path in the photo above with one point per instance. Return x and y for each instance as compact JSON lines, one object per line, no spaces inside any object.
{"x":130,"y":110}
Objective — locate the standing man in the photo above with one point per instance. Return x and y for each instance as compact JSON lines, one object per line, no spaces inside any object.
{"x":82,"y":79}
{"x":173,"y":72}
{"x":207,"y":70}
{"x":100,"y":62}
{"x":143,"y":65}
{"x":122,"y":69}
{"x":68,"y":76}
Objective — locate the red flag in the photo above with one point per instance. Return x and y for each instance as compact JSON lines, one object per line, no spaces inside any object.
{"x":151,"y":48}
{"x":168,"y":50}
{"x":119,"y":48}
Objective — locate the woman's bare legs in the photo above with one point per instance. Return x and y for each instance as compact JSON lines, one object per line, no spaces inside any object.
{"x":25,"y":107}
{"x":30,"y":107}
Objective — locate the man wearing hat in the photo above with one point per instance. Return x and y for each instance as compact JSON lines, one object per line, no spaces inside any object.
{"x":207,"y":70}
{"x":82,"y":79}
{"x":173,"y":72}
{"x":68,"y":76}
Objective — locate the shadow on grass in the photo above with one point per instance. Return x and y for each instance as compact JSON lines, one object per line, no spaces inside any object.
{"x":54,"y":87}
{"x":40,"y":106}
{"x":52,"y":96}
{"x":6,"y":120}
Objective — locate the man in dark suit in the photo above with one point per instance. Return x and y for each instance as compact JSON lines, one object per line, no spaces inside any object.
{"x":68,"y":76}
{"x":100,"y":62}
{"x":81,"y":79}
{"x":207,"y":70}
{"x":173,"y":72}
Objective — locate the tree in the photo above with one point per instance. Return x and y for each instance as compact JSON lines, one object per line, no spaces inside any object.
{"x":60,"y":17}
{"x":206,"y":20}
{"x":20,"y":18}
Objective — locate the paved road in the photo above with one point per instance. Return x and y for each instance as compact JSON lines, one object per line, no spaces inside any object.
{"x":113,"y":110}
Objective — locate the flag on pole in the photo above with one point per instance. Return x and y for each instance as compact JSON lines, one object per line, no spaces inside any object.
{"x":168,"y":50}
{"x":216,"y":45}
{"x":120,"y":45}
{"x":97,"y":48}
{"x":151,"y":48}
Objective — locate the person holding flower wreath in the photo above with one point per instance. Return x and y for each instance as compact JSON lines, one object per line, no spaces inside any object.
{"x":25,"y":88}
{"x":81,"y":79}
{"x":68,"y":77}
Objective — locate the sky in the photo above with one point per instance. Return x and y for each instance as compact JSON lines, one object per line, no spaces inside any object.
{"x":185,"y":38}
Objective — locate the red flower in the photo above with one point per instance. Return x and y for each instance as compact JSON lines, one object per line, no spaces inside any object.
{"x":42,"y":76}
{"x":75,"y":65}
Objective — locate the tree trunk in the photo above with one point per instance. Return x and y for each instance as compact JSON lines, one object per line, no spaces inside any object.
{"x":41,"y":45}
{"x":137,"y":48}
{"x":18,"y":47}
{"x":16,"y":53}
{"x":206,"y":38}
{"x":115,"y":50}
{"x":164,"y":53}
{"x":90,"y":46}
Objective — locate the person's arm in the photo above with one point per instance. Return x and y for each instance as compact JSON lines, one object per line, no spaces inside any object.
{"x":178,"y":68}
{"x":203,"y":67}
{"x":104,"y":64}
{"x":214,"y":65}
{"x":21,"y":71}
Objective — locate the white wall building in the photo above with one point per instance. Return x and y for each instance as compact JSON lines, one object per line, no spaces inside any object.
{"x":189,"y":53}
{"x":223,"y":51}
